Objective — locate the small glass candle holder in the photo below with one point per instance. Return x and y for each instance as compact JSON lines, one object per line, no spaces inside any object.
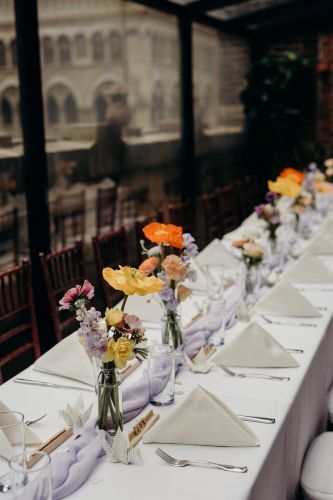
{"x":31,"y":478}
{"x":161,"y":373}
{"x":12,"y":443}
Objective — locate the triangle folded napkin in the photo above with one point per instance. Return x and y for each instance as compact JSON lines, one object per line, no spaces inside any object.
{"x":308,"y":269}
{"x":67,"y":359}
{"x":202,"y":419}
{"x":322,"y":244}
{"x":255,"y":348}
{"x":284,"y":300}
{"x":11,"y":436}
{"x":215,"y":254}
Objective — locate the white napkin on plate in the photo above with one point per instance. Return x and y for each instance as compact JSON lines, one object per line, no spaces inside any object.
{"x":215,"y":254}
{"x":254,"y":347}
{"x":308,"y":269}
{"x":10,"y":436}
{"x":67,"y":359}
{"x":201,"y":419}
{"x":146,"y":307}
{"x":322,"y":244}
{"x":284,"y":300}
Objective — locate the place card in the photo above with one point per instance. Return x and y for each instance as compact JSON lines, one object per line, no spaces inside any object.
{"x":208,"y":351}
{"x":129,"y":369}
{"x":50,"y":445}
{"x":144,"y":424}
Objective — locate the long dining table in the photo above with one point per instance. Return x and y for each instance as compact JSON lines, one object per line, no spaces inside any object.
{"x":299,"y":407}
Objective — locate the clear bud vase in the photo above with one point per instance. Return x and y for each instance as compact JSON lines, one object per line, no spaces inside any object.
{"x":171,"y":331}
{"x":110,"y":416}
{"x":252,"y":283}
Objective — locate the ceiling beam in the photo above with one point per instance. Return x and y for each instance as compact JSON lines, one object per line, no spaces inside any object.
{"x":197,"y":7}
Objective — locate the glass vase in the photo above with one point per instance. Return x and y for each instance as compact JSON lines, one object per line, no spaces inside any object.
{"x":110,"y":416}
{"x":171,"y":331}
{"x":252,"y":283}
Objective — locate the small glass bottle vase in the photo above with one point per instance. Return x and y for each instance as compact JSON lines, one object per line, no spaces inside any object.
{"x":171,"y":331}
{"x":110,"y":416}
{"x":252,"y":283}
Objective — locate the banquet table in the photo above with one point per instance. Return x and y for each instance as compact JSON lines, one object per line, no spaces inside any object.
{"x":299,"y":407}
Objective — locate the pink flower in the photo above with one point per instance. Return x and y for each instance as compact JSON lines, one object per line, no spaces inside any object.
{"x":133,"y":321}
{"x":86,"y":291}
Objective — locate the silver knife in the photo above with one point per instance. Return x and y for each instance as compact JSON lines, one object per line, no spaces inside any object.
{"x":259,"y":420}
{"x":50,"y":384}
{"x":295,"y":351}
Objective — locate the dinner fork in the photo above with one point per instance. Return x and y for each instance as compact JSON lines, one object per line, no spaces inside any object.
{"x":30,"y":422}
{"x":252,"y":375}
{"x":285,"y":323}
{"x":182,"y":463}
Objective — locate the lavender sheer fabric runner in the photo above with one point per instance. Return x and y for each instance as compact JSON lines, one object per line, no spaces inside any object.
{"x":72,"y":468}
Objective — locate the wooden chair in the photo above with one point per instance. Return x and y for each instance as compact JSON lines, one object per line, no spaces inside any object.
{"x":212,"y":219}
{"x":140,"y":223}
{"x":181,"y":214}
{"x":62,"y":270}
{"x":110,"y":251}
{"x":68,"y":214}
{"x":9,"y":241}
{"x":228,"y":207}
{"x":106,"y":206}
{"x":247,"y":196}
{"x":19,"y":346}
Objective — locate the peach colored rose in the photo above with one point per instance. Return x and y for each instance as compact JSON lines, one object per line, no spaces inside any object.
{"x":239,"y":243}
{"x":174,"y":267}
{"x":148,"y":265}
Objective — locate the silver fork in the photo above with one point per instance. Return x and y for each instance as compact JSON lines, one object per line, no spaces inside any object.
{"x":252,"y":375}
{"x":29,"y":422}
{"x":285,"y":323}
{"x":182,"y":463}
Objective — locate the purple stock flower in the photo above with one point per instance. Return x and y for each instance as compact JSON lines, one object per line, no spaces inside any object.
{"x":312,"y":166}
{"x":92,"y":335}
{"x":271,"y":197}
{"x":259,"y":209}
{"x":191,"y":248}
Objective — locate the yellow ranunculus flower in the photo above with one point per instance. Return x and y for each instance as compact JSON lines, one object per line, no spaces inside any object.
{"x":114,"y":317}
{"x":284,"y":186}
{"x":130,"y":281}
{"x":119,"y":352}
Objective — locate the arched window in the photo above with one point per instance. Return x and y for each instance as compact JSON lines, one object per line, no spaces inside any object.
{"x":52,"y":110}
{"x":70,"y":109}
{"x":7,"y":113}
{"x":48,"y":50}
{"x":101,"y":108}
{"x":2,"y":54}
{"x":157,"y":107}
{"x":116,"y":49}
{"x":97,"y":47}
{"x":80,"y":46}
{"x":14,"y":52}
{"x":64,"y":50}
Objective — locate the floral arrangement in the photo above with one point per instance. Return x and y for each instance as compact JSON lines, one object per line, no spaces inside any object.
{"x":328,"y":164}
{"x":285,"y":186}
{"x":302,"y":202}
{"x":113,"y":340}
{"x":252,"y":253}
{"x":293,"y":174}
{"x":171,"y":268}
{"x":269,"y":213}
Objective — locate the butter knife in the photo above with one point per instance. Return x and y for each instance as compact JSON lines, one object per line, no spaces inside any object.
{"x":259,"y":420}
{"x":50,"y":384}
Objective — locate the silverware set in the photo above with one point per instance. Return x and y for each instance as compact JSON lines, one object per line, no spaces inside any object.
{"x":50,"y":384}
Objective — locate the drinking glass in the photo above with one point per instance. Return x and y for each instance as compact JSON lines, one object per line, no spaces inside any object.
{"x":31,"y":479}
{"x":161,"y":373}
{"x":12,"y":442}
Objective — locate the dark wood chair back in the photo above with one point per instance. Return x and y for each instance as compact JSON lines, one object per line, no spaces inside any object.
{"x":19,"y":345}
{"x":106,"y":205}
{"x":181,"y":214}
{"x":9,"y":240}
{"x":62,"y":270}
{"x":68,"y":214}
{"x":140,"y":223}
{"x":212,"y":218}
{"x":228,"y":207}
{"x":110,"y":250}
{"x":248,"y":195}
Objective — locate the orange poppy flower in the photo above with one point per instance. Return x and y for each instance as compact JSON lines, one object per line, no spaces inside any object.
{"x":293,"y":174}
{"x":166,"y":234}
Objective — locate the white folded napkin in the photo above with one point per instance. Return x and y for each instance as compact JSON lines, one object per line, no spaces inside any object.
{"x":10,"y":436}
{"x":201,"y":419}
{"x":215,"y":254}
{"x":67,"y":359}
{"x":146,"y":307}
{"x":254,"y":347}
{"x":284,"y":300}
{"x":322,"y":244}
{"x":308,"y":269}
{"x":200,"y":283}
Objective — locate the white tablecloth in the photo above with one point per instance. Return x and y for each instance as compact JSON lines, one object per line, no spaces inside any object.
{"x":299,"y":407}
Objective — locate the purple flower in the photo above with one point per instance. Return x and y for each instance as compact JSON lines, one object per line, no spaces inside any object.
{"x":91,"y":333}
{"x":259,"y":209}
{"x":271,"y":197}
{"x":166,"y":293}
{"x":191,"y":248}
{"x":312,"y":166}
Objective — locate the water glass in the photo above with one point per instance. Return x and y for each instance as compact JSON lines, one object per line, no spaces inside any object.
{"x":12,"y":442}
{"x":34,"y":481}
{"x":161,"y":373}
